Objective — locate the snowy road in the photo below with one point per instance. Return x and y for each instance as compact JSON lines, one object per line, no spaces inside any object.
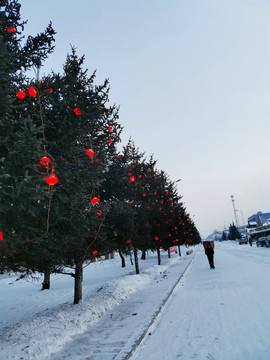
{"x":216,"y":314}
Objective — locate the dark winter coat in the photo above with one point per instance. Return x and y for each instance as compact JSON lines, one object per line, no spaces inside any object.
{"x":209,"y":251}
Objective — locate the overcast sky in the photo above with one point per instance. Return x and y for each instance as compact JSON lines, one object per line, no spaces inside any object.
{"x":192,"y":78}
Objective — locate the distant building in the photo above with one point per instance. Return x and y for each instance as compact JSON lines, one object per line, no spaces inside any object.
{"x":258,"y":225}
{"x":259,"y":219}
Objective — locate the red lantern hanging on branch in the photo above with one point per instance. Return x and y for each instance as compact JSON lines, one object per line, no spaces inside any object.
{"x":90,"y":152}
{"x":77,"y":111}
{"x":1,"y":236}
{"x":95,"y":200}
{"x":132,"y":179}
{"x":21,"y":95}
{"x":11,"y":30}
{"x":109,"y":141}
{"x":32,"y":91}
{"x":110,"y":128}
{"x":45,"y":161}
{"x":51,"y":180}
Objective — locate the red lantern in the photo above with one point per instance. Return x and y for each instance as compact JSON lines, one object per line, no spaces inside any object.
{"x":77,"y":111}
{"x":52,"y":180}
{"x":11,"y":30}
{"x":140,"y":176}
{"x":90,"y":152}
{"x":45,"y":161}
{"x":95,"y":200}
{"x":109,"y":141}
{"x":156,"y":238}
{"x":143,"y":195}
{"x":132,"y":179}
{"x":110,"y":128}
{"x":21,"y":95}
{"x":129,"y":241}
{"x":1,"y":236}
{"x":32,"y":91}
{"x":49,"y":90}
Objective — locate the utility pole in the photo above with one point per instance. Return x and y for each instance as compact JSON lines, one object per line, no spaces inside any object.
{"x":235,"y":214}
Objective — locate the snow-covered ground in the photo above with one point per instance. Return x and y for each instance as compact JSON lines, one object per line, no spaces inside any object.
{"x":198,"y":313}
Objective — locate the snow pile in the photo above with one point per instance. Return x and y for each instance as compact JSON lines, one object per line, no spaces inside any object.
{"x":47,"y":332}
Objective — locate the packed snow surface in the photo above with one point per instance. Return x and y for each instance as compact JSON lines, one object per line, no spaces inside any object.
{"x":178,"y":310}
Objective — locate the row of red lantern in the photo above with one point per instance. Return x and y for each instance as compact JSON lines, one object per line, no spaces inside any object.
{"x":31,"y":91}
{"x":52,"y":179}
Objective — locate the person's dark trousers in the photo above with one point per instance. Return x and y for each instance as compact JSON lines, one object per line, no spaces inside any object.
{"x":211,"y":261}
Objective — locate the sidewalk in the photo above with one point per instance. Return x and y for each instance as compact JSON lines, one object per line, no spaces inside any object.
{"x":119,"y":331}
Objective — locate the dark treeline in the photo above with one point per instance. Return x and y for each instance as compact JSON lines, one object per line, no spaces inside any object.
{"x":68,"y":195}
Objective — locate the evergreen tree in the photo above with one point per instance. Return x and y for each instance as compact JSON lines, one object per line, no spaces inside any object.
{"x":22,"y":192}
{"x":81,"y":133}
{"x":233,"y":232}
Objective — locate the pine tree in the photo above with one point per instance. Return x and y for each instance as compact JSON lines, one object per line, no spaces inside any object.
{"x":233,"y":232}
{"x":20,"y":140}
{"x":80,"y":137}
{"x":224,"y":237}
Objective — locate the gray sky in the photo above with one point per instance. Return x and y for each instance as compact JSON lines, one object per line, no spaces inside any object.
{"x":192,"y":78}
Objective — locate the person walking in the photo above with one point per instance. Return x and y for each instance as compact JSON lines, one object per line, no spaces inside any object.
{"x":209,"y":252}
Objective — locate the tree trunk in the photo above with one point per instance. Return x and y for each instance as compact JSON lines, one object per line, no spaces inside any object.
{"x":112,"y":255}
{"x":169,"y":253}
{"x":107,"y":256}
{"x":46,"y":281}
{"x":143,"y":257}
{"x":130,"y":256}
{"x":136,"y":260}
{"x":78,"y":283}
{"x":122,"y":259}
{"x":179,"y":250}
{"x":158,"y":255}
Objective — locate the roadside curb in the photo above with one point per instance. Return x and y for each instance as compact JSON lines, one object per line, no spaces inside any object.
{"x":142,"y":336}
